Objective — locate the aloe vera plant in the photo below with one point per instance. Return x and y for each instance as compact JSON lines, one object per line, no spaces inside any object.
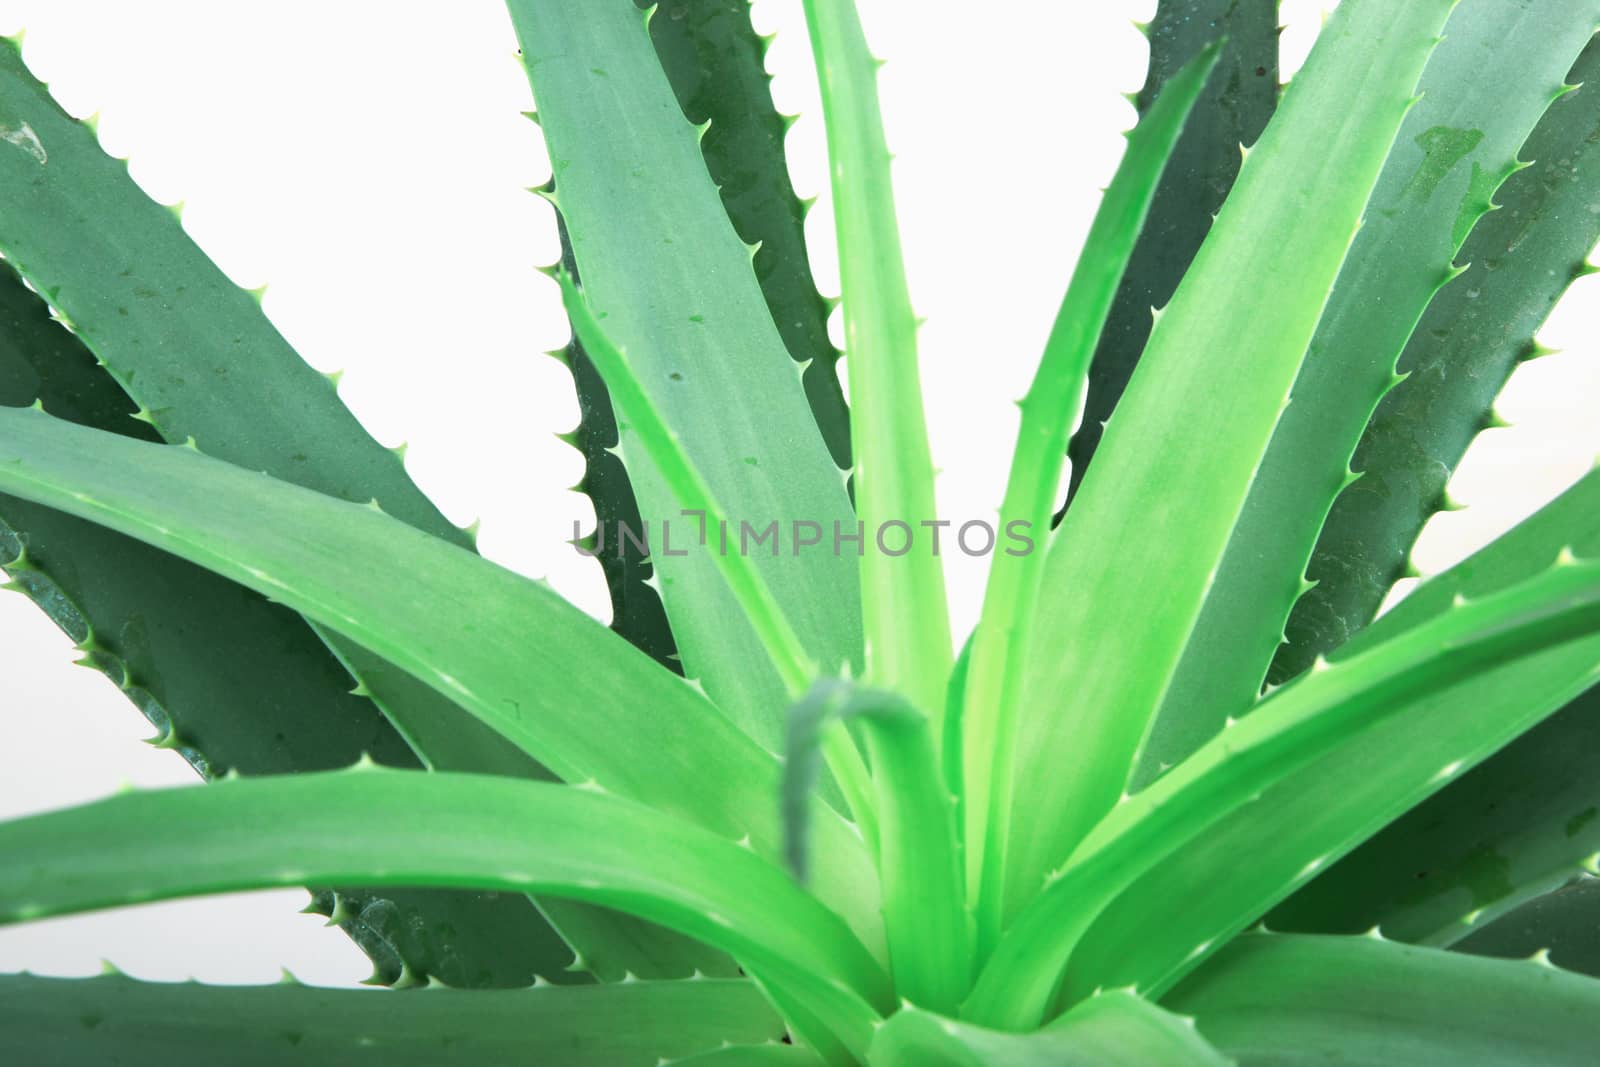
{"x":1181,"y":797}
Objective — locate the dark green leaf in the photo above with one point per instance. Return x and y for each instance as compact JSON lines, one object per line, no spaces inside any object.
{"x":1563,"y":923}
{"x":1233,"y":112}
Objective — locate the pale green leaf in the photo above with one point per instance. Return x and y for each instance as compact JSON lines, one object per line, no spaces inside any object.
{"x":662,"y":265}
{"x":906,"y":620}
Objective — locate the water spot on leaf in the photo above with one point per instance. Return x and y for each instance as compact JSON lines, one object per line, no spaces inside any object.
{"x":1474,"y":202}
{"x":1487,"y":875}
{"x":1442,"y":148}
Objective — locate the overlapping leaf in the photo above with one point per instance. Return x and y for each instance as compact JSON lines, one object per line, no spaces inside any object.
{"x":623,"y":721}
{"x":115,"y":1019}
{"x":1138,"y":550}
{"x":1308,"y":1000}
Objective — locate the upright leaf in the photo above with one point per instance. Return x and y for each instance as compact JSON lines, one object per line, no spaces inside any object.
{"x":1048,"y":411}
{"x":1475,"y":333}
{"x":1498,"y":70}
{"x":1233,"y":111}
{"x":714,"y":60}
{"x":906,"y":620}
{"x":631,"y":184}
{"x":637,"y":614}
{"x":716,"y":63}
{"x":1137,"y":553}
{"x":640,"y":413}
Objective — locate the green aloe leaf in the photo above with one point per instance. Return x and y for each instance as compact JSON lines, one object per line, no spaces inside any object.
{"x":1323,"y":715}
{"x":1497,"y":72}
{"x":744,"y":151}
{"x":1563,"y":924}
{"x":616,"y":947}
{"x":1302,"y":825}
{"x":261,"y":695}
{"x":1233,"y":110}
{"x":637,"y":614}
{"x":632,"y":185}
{"x":460,"y":831}
{"x":133,"y":611}
{"x":1475,"y":333}
{"x":1114,"y":1029}
{"x":1512,"y":828}
{"x":1516,"y":826}
{"x":1049,"y":409}
{"x":193,"y":348}
{"x":1190,"y":432}
{"x":623,"y":722}
{"x":906,"y":621}
{"x":1292,"y":1000}
{"x":610,"y":945}
{"x":201,"y":362}
{"x":640,"y":413}
{"x":199,"y":358}
{"x":116,"y":1019}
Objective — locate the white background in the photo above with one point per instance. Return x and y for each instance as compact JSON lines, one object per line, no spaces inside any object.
{"x":367,"y":159}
